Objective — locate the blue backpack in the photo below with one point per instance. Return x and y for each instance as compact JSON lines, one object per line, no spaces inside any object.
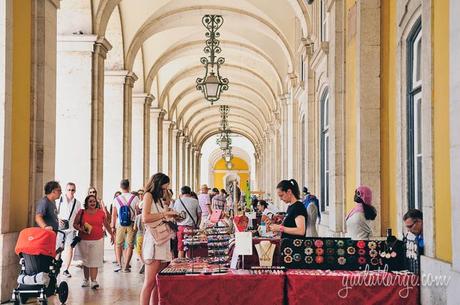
{"x":124,"y":215}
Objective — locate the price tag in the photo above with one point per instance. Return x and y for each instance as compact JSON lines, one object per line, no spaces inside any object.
{"x":243,"y":243}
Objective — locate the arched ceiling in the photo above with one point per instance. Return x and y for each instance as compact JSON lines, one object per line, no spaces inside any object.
{"x":163,"y":42}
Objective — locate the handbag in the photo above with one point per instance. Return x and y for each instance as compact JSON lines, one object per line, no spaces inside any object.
{"x":160,"y":230}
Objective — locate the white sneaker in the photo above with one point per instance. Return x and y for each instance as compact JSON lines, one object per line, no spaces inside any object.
{"x":85,"y":283}
{"x":94,"y":285}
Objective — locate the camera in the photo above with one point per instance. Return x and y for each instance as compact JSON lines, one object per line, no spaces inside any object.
{"x":63,"y":224}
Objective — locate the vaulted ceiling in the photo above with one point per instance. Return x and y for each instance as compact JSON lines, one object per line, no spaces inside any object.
{"x":162,"y":41}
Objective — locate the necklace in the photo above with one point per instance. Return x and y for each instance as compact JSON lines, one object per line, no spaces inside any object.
{"x":265,"y":252}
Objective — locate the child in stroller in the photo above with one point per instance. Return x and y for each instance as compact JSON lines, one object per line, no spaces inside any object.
{"x":40,"y":265}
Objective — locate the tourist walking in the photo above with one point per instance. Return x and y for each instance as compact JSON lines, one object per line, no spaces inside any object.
{"x":89,"y":222}
{"x":68,"y":207}
{"x":46,"y":212}
{"x":123,"y":216}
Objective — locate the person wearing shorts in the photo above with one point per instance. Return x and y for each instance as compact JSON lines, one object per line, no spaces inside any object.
{"x":124,"y":233}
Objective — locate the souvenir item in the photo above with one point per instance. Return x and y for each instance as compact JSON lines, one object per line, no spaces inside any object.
{"x":308,"y":251}
{"x":319,"y":259}
{"x":297,"y":242}
{"x":319,"y":243}
{"x":241,"y":222}
{"x":265,"y":251}
{"x":361,"y":244}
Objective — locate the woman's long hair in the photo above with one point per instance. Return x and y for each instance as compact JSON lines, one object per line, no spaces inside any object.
{"x":154,"y":184}
{"x":292,"y":185}
{"x":369,"y":212}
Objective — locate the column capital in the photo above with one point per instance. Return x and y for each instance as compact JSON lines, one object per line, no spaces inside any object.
{"x":168,"y":123}
{"x":149,"y":98}
{"x":156,"y":112}
{"x":56,"y":3}
{"x":130,"y":79}
{"x":115,"y":76}
{"x":102,"y":46}
{"x":76,"y":43}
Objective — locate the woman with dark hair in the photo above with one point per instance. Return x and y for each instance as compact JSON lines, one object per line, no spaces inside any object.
{"x":262,"y":207}
{"x":294,"y":224}
{"x":194,"y":195}
{"x":156,"y":256}
{"x":90,"y":222}
{"x":359,"y":218}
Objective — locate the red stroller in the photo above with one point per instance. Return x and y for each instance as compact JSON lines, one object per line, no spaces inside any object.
{"x":40,"y":267}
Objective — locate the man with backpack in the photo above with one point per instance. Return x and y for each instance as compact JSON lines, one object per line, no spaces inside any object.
{"x":123,"y":216}
{"x":68,"y":207}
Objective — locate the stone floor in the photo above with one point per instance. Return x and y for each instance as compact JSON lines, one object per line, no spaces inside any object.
{"x":115,"y":288}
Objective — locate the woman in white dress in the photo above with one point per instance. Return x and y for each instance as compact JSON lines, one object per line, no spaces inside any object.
{"x":155,"y":256}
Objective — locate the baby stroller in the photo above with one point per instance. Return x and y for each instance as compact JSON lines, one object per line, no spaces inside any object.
{"x":40,"y":267}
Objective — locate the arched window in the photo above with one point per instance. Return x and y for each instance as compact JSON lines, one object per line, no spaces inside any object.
{"x":324,"y":159}
{"x":414,"y":116}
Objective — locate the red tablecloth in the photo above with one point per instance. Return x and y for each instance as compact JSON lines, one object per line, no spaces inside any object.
{"x":226,"y":289}
{"x":351,"y":287}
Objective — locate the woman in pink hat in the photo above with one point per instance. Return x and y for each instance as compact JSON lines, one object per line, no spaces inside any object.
{"x":360,"y":217}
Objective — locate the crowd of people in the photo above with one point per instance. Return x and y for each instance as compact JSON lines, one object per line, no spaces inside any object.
{"x":142,"y":220}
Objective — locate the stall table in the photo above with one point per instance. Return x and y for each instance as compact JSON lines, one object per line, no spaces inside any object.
{"x":222,"y":289}
{"x":351,"y":287}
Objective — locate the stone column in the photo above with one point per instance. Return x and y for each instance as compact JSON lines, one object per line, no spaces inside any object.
{"x":196,"y":174}
{"x":284,"y":136}
{"x":192,"y":167}
{"x":127,"y":123}
{"x":43,"y":127}
{"x":154,"y":119}
{"x":181,"y":169}
{"x":166,"y":146}
{"x":336,"y":119}
{"x":454,"y":123}
{"x":137,"y":142}
{"x":160,"y":143}
{"x":188,"y":147}
{"x":147,"y":105}
{"x":113,"y":127}
{"x":368,"y":101}
{"x":74,"y":109}
{"x":174,"y":159}
{"x":101,"y":47}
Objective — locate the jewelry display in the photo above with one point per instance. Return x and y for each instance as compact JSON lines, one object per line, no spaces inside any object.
{"x":341,"y":260}
{"x":319,"y":259}
{"x":297,"y":257}
{"x":351,"y":250}
{"x":319,"y":243}
{"x":297,"y":242}
{"x":361,"y":244}
{"x":341,"y":252}
{"x":308,"y":251}
{"x":319,"y":251}
{"x":265,"y":251}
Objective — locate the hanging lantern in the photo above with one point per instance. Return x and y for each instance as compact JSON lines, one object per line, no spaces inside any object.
{"x":212,"y":84}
